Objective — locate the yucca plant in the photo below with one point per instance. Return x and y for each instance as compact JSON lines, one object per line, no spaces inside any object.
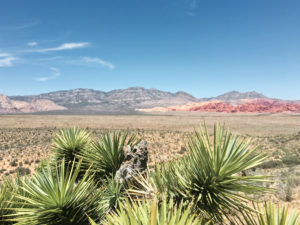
{"x":212,"y":171}
{"x":69,"y":143}
{"x":8,"y":201}
{"x":54,"y":197}
{"x":270,"y":214}
{"x":210,"y":174}
{"x":112,"y":192}
{"x":154,"y":212}
{"x":5,"y":201}
{"x":106,"y":156}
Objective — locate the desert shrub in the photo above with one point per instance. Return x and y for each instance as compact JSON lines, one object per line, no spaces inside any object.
{"x":289,"y":186}
{"x":291,"y":157}
{"x":54,"y":197}
{"x":69,"y":143}
{"x":273,"y":163}
{"x":22,"y":171}
{"x":106,"y":155}
{"x":14,"y":163}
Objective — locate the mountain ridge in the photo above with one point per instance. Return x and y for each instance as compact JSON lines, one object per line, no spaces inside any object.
{"x":129,"y":100}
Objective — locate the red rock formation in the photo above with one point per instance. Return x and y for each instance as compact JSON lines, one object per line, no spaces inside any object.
{"x":255,"y":106}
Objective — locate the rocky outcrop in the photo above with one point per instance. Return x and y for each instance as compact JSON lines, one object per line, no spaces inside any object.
{"x":247,"y":106}
{"x":39,"y":105}
{"x":7,"y":105}
{"x":255,"y":106}
{"x":135,"y":162}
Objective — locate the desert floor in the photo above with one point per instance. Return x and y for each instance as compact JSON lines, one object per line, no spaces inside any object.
{"x":25,"y":140}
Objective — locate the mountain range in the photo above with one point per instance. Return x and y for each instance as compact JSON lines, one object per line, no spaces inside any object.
{"x":136,"y":99}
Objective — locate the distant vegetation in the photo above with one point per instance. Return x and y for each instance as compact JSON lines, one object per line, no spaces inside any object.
{"x":210,"y":184}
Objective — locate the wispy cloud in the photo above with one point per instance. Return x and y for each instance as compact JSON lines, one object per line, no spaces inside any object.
{"x":19,"y":26}
{"x":65,"y":46}
{"x":33,"y":43}
{"x":99,"y":61}
{"x":55,"y":74}
{"x":6,"y":60}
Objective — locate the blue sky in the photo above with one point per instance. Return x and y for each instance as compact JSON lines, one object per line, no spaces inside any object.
{"x":204,"y":47}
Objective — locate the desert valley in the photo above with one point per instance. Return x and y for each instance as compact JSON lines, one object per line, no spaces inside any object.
{"x":163,"y":119}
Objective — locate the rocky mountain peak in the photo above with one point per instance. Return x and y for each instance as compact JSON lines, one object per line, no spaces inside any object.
{"x":235,"y":95}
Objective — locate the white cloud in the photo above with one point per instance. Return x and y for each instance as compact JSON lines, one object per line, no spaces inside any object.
{"x":55,"y":74}
{"x":33,"y":43}
{"x":66,"y":46}
{"x":101,"y":62}
{"x":6,"y":60}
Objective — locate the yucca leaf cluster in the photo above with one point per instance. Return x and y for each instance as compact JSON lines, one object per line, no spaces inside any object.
{"x":106,"y":156}
{"x":54,"y":197}
{"x":154,"y":212}
{"x":69,"y":143}
{"x":270,"y":214}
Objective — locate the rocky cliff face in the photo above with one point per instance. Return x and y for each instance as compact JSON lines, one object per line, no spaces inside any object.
{"x":10,"y":106}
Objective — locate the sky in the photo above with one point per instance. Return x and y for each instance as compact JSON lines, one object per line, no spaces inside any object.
{"x":203,"y":47}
